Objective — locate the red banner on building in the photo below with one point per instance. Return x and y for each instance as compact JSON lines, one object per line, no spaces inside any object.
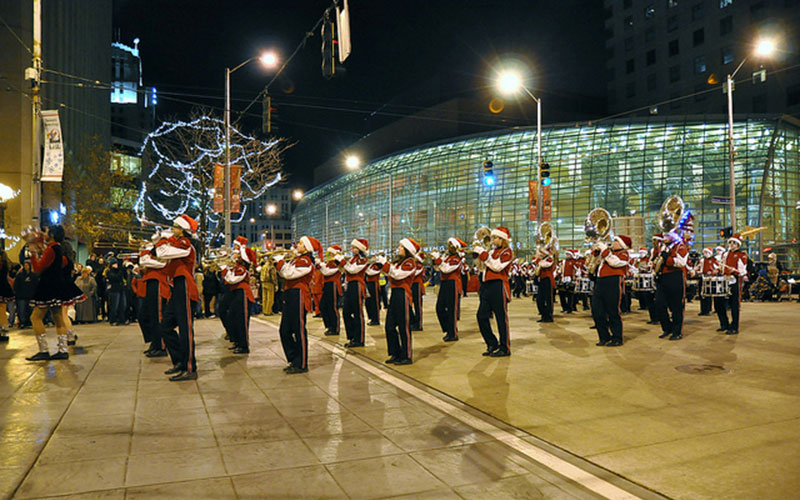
{"x":532,"y":207}
{"x":219,"y":188}
{"x":547,"y":209}
{"x":236,"y":188}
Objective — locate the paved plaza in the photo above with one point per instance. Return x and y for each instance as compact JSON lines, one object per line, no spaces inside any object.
{"x":710,"y":416}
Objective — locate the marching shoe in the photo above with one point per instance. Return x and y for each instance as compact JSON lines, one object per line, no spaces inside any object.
{"x":722,"y":329}
{"x":448,"y":338}
{"x":286,"y":368}
{"x":181,"y":376}
{"x":3,"y":338}
{"x":602,"y":343}
{"x":614,"y":343}
{"x":329,"y":332}
{"x":676,"y":337}
{"x":664,"y":335}
{"x":374,"y":323}
{"x":39,"y":356}
{"x":392,"y":360}
{"x":60,"y":355}
{"x":296,"y":369}
{"x":653,"y":322}
{"x":172,"y":371}
{"x":241,"y":350}
{"x":355,"y":344}
{"x":500,"y":353}
{"x":593,"y":327}
{"x":549,"y":320}
{"x":489,"y":351}
{"x":158,"y":353}
{"x":404,"y":361}
{"x":732,"y":332}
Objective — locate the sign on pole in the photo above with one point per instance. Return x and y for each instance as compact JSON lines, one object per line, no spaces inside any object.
{"x":343,"y":25}
{"x":219,"y":188}
{"x":53,"y":163}
{"x":547,"y":209}
{"x":532,"y":200}
{"x":236,"y":188}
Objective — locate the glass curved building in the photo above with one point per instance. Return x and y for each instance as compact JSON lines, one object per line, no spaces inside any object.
{"x":628,"y":167}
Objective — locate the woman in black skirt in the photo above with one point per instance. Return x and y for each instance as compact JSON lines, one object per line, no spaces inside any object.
{"x":52,"y":293}
{"x":6,"y":296}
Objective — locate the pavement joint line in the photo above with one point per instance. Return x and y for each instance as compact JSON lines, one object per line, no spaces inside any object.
{"x":558,"y":465}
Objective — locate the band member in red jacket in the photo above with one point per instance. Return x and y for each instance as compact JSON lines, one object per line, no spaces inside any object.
{"x":707,"y":266}
{"x":155,"y":291}
{"x":545,"y":265}
{"x":353,"y":307}
{"x":373,"y":300}
{"x":449,"y":298}
{"x":297,"y":302}
{"x":238,"y":281}
{"x":496,"y":293}
{"x":608,"y":290}
{"x":331,"y":289}
{"x":179,"y":253}
{"x":398,"y":327}
{"x":734,"y":266}
{"x":671,"y":286}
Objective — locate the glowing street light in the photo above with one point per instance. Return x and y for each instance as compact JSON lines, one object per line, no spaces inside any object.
{"x":297,"y":194}
{"x":352,"y":162}
{"x":272,"y":209}
{"x":509,"y":82}
{"x":268,"y":59}
{"x":765,"y":48}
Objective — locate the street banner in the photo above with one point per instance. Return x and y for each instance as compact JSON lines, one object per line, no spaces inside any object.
{"x":236,"y":188}
{"x":532,"y":207}
{"x":547,"y":209}
{"x":219,"y":188}
{"x":343,"y":25}
{"x":53,"y":162}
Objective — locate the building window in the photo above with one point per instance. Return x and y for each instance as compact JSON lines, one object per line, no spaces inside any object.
{"x":650,"y":57}
{"x":629,"y":44}
{"x":674,"y":73}
{"x":760,"y":103}
{"x":629,"y":66}
{"x":630,"y":89}
{"x":672,"y":4}
{"x":758,"y":11}
{"x":652,"y":82}
{"x":699,"y":65}
{"x":674,"y":48}
{"x":725,"y":3}
{"x":725,"y":25}
{"x":727,"y":55}
{"x":697,"y":11}
{"x":672,"y":23}
{"x":628,"y":22}
{"x":698,"y":37}
{"x":649,"y":12}
{"x":649,"y":35}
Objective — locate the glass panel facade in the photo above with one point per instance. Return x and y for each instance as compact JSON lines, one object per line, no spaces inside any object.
{"x":627,"y":167}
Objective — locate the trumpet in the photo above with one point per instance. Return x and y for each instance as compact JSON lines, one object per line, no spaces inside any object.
{"x":273,"y":254}
{"x":34,"y":238}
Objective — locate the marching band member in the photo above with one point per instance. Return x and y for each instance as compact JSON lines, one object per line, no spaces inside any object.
{"x":297,"y":302}
{"x":583,"y":271}
{"x":417,"y":291}
{"x":734,"y":265}
{"x":608,"y":290}
{"x":544,"y":297}
{"x":567,"y":276}
{"x":670,"y":297}
{"x":155,"y":293}
{"x":401,"y":273}
{"x":238,"y":281}
{"x":448,"y":300}
{"x":706,"y":266}
{"x":179,"y":251}
{"x":353,"y":307}
{"x":373,"y":301}
{"x":331,"y":289}
{"x":651,"y":297}
{"x":496,"y":293}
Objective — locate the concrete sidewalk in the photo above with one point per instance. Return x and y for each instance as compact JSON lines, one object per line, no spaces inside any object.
{"x":710,"y":416}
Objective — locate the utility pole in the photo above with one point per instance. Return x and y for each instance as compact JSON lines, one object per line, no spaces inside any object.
{"x":36,"y":106}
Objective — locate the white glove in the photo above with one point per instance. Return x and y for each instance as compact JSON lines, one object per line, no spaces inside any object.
{"x":381,"y":259}
{"x":318,"y":261}
{"x":280,"y":257}
{"x":478,"y":249}
{"x":435,"y":255}
{"x":339,"y":258}
{"x":599,"y":246}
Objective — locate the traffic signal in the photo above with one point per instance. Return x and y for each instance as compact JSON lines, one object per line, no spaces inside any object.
{"x":329,"y":47}
{"x":726,"y":232}
{"x":488,"y":173}
{"x":268,"y":115}
{"x":544,"y":174}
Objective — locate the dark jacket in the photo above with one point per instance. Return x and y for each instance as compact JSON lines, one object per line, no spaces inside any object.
{"x":25,"y":284}
{"x":115,"y":280}
{"x":210,"y":284}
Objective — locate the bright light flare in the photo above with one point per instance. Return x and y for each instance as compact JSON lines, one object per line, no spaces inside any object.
{"x":352,"y":162}
{"x":269,"y":59}
{"x":765,"y":48}
{"x":509,"y":82}
{"x":272,"y":209}
{"x":297,"y":194}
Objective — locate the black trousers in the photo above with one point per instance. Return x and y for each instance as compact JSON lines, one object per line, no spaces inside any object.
{"x":238,"y":319}
{"x":734,"y":301}
{"x":705,"y":304}
{"x":293,"y":333}
{"x":447,"y":303}
{"x":567,"y":298}
{"x":329,"y":307}
{"x":648,"y":301}
{"x":398,"y":327}
{"x":544,"y":299}
{"x":606,"y":301}
{"x":464,"y":282}
{"x":223,"y":306}
{"x":353,"y":312}
{"x":373,"y":302}
{"x":207,"y":305}
{"x":150,"y":314}
{"x":670,"y":302}
{"x":178,"y":313}
{"x":416,"y":299}
{"x":493,"y":299}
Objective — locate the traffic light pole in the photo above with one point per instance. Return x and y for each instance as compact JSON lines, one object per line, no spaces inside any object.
{"x":539,"y":191}
{"x":731,"y":154}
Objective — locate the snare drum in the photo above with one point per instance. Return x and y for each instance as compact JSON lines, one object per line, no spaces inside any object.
{"x":643,"y":282}
{"x":584,"y":285}
{"x":566,"y":284}
{"x":531,"y":287}
{"x":716,"y":286}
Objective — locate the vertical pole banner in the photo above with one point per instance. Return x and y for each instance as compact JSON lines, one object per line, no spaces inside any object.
{"x":547,"y":208}
{"x":532,"y":207}
{"x":219,"y":188}
{"x":53,"y":163}
{"x":236,"y":188}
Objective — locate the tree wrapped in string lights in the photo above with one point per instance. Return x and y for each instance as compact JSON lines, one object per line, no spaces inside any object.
{"x":178,"y":161}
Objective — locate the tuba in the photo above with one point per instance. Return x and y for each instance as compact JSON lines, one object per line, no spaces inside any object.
{"x":546,"y":239}
{"x":598,"y":227}
{"x":482,"y":237}
{"x":669,"y":216}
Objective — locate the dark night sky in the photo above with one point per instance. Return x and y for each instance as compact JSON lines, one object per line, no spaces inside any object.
{"x":401,"y":51}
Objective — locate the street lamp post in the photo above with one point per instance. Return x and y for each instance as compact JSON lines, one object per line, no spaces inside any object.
{"x":268,"y":60}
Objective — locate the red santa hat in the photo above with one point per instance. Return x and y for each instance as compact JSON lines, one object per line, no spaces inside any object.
{"x":708,"y":252}
{"x":736,"y":238}
{"x":457,"y":242}
{"x":657,"y":236}
{"x":623,"y":240}
{"x":411,"y":246}
{"x":186,"y":223}
{"x":312,"y":245}
{"x":241,"y":241}
{"x":334,"y":249}
{"x":360,"y":243}
{"x":502,"y":232}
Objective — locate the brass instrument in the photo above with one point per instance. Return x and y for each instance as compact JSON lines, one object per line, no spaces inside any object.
{"x":546,"y":239}
{"x":215,"y":261}
{"x":373,"y":259}
{"x":34,"y":238}
{"x":598,"y":227}
{"x":483,"y":238}
{"x":668,"y":218}
{"x":273,"y":254}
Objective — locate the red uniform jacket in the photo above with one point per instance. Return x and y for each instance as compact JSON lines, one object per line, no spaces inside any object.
{"x":374,"y":272}
{"x":298,"y":274}
{"x":355,"y":269}
{"x":450,"y":267}
{"x":401,"y":275}
{"x":331,"y":274}
{"x":615,"y":263}
{"x":497,"y":266}
{"x":677,"y":259}
{"x":179,"y":252}
{"x":153,"y":270}
{"x":238,"y":278}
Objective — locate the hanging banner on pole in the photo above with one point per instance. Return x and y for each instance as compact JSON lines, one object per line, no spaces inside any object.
{"x":53,"y":162}
{"x":532,"y":201}
{"x":219,"y":188}
{"x":236,"y":188}
{"x":343,"y":25}
{"x":547,"y":208}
